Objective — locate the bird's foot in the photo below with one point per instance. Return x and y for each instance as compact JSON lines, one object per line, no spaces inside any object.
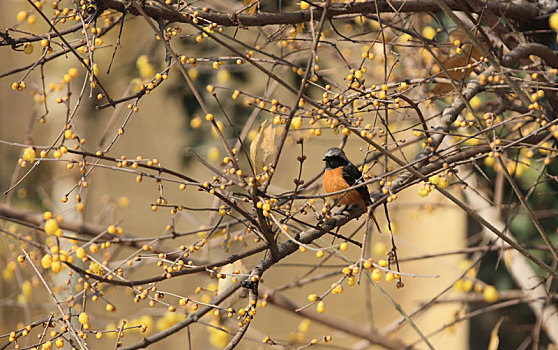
{"x":349,"y":209}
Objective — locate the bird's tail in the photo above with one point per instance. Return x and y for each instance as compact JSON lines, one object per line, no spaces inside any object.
{"x":371,"y":216}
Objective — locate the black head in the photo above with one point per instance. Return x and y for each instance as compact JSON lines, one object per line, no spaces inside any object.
{"x":335,"y":157}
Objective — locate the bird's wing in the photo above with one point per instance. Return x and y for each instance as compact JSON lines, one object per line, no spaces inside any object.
{"x":353,"y":176}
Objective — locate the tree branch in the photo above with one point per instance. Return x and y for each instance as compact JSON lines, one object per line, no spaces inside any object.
{"x":520,"y":13}
{"x":346,"y":326}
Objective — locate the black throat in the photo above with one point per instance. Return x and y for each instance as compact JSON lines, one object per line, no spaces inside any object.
{"x":335,"y":162}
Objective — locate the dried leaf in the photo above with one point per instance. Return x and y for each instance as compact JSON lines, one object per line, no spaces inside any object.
{"x":452,"y":63}
{"x":494,"y":339}
{"x":264,"y":146}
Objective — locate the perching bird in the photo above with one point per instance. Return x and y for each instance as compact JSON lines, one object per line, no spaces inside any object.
{"x":341,"y":174}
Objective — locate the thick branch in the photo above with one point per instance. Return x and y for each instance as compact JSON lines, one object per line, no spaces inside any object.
{"x":520,"y":13}
{"x":547,"y":54}
{"x":518,"y":266}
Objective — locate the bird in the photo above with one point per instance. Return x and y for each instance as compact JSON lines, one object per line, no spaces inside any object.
{"x":341,"y":174}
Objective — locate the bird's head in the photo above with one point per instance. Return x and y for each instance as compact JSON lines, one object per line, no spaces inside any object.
{"x":335,"y":157}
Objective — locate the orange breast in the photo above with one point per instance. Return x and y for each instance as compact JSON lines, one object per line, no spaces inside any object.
{"x":333,"y":182}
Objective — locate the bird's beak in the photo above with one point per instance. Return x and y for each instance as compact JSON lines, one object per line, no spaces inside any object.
{"x":324,"y":159}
